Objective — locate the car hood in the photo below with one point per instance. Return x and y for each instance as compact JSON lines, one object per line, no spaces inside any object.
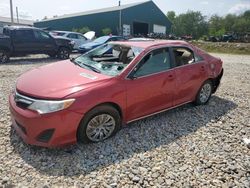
{"x":61,"y":38}
{"x":90,"y":35}
{"x":90,"y":45}
{"x":57,"y":80}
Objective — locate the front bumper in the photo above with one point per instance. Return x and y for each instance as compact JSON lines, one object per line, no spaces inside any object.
{"x":49,"y":130}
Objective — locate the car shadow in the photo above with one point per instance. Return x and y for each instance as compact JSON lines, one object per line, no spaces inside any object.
{"x":35,"y":59}
{"x":133,"y":139}
{"x":30,"y":60}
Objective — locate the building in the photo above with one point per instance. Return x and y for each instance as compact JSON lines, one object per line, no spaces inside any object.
{"x":7,"y":21}
{"x":131,"y":19}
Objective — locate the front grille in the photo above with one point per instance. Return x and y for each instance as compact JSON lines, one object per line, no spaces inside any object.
{"x":22,"y":101}
{"x":21,"y":127}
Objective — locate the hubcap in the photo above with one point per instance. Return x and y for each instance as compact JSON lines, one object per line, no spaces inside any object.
{"x":64,"y":54}
{"x":205,"y":93}
{"x":100,"y":127}
{"x":3,"y":58}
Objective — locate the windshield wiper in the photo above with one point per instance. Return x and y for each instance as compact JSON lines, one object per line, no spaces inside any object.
{"x":89,"y":66}
{"x":79,"y":63}
{"x":92,"y":68}
{"x":73,"y":61}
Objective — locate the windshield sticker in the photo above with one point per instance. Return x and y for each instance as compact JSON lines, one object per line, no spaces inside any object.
{"x":88,"y":76}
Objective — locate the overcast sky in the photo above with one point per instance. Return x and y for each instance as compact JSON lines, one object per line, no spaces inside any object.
{"x":37,"y":9}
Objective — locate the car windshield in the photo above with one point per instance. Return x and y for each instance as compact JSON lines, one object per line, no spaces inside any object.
{"x":101,"y":40}
{"x":108,"y":59}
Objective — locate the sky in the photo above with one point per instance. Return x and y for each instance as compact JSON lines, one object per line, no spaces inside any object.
{"x":38,"y":9}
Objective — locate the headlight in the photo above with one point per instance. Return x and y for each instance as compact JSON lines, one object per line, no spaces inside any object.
{"x":72,"y":43}
{"x":44,"y":106}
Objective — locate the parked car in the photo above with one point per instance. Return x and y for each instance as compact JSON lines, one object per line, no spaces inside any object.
{"x":78,"y":38}
{"x":141,"y":39}
{"x":89,"y":98}
{"x":98,"y":42}
{"x":21,"y":41}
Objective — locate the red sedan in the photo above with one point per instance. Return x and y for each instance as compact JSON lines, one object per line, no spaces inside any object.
{"x":89,"y":98}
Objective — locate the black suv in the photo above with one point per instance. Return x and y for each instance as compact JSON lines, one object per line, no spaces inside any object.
{"x":21,"y":41}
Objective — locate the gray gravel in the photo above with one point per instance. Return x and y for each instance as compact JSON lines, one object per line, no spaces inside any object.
{"x":185,"y":147}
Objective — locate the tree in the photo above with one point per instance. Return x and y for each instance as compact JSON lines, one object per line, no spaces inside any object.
{"x":190,"y":23}
{"x":216,"y":26}
{"x":171,"y":16}
{"x":82,"y":30}
{"x":106,"y":31}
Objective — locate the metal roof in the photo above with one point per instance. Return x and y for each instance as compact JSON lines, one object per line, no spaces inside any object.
{"x":110,"y":9}
{"x":21,"y":21}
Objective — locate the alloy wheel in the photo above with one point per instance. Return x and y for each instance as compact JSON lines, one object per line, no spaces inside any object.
{"x":63,"y":54}
{"x":3,"y":57}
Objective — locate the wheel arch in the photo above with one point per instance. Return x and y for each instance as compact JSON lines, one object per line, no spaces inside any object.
{"x":112,"y":104}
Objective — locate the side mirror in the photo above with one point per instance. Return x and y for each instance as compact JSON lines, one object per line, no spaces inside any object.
{"x":132,"y":77}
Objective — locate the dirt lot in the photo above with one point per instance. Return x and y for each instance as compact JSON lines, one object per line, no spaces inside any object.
{"x":185,"y":147}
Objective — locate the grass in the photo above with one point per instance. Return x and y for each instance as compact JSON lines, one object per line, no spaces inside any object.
{"x":224,"y":47}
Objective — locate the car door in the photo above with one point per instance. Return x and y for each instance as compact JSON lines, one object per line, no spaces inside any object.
{"x":44,"y":43}
{"x":23,"y":41}
{"x":74,"y":37}
{"x":190,"y":74}
{"x":81,"y":40}
{"x":150,"y":85}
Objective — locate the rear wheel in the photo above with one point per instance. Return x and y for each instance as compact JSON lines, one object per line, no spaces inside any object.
{"x":99,"y":124}
{"x":204,"y":93}
{"x":63,"y":53}
{"x":4,"y":56}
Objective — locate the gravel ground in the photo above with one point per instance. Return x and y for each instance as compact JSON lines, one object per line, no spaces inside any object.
{"x":185,"y":147}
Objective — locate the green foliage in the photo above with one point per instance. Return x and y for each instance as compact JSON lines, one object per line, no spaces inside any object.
{"x":171,"y":16}
{"x":195,"y":24}
{"x":106,"y":31}
{"x":82,"y":30}
{"x":190,"y":23}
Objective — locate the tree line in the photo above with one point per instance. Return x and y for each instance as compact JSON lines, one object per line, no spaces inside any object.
{"x":197,"y":25}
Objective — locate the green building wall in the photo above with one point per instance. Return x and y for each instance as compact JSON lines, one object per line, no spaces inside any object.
{"x":146,"y":13}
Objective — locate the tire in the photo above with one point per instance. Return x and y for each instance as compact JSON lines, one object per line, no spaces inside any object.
{"x":204,"y":93}
{"x":4,"y":56}
{"x":63,"y":53}
{"x":86,"y":128}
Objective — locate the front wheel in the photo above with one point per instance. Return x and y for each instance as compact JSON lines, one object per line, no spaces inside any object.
{"x":4,"y":56}
{"x":204,"y":93}
{"x":99,"y":124}
{"x":63,"y":53}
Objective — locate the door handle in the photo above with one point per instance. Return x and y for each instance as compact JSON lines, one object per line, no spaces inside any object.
{"x":171,"y":77}
{"x":202,"y":68}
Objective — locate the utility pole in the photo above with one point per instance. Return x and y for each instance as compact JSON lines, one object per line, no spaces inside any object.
{"x":17,"y":16}
{"x":11,"y":12}
{"x":120,"y":19}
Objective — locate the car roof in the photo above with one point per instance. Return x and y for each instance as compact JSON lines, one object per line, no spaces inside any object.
{"x":151,"y":43}
{"x":11,"y":27}
{"x":66,"y":32}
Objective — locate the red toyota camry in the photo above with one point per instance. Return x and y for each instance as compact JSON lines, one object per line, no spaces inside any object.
{"x":89,"y":98}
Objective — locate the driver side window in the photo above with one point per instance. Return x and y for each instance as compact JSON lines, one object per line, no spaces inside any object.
{"x":41,"y":35}
{"x":154,"y":62}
